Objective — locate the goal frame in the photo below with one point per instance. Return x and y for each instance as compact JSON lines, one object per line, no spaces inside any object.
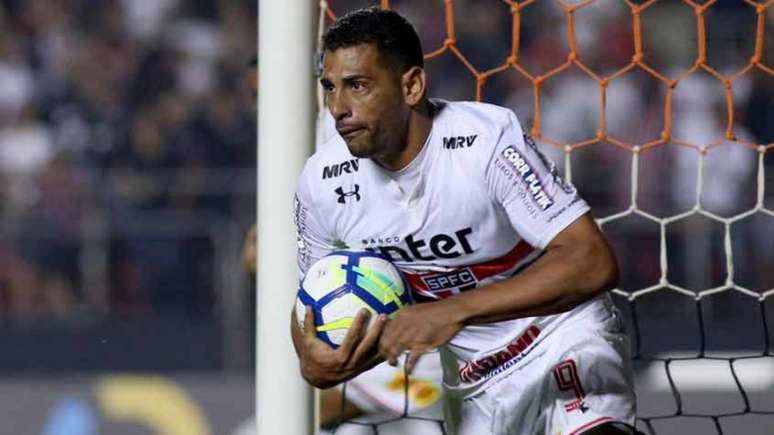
{"x":286,"y":111}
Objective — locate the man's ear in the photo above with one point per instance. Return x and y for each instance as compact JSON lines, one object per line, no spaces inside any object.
{"x":414,"y":85}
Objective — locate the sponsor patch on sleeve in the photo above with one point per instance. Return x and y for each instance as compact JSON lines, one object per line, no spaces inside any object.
{"x":299,"y":218}
{"x":529,"y":177}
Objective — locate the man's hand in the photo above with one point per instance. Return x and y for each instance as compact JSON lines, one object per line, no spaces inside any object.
{"x":418,"y":329}
{"x":323,"y":366}
{"x":248,"y":256}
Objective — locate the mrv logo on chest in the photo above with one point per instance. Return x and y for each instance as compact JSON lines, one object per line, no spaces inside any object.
{"x":457,"y":142}
{"x":348,"y":167}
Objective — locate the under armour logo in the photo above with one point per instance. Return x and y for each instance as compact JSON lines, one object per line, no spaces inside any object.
{"x":343,"y":195}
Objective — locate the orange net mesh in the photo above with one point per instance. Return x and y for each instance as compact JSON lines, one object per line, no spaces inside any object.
{"x":450,"y":48}
{"x":695,"y":304}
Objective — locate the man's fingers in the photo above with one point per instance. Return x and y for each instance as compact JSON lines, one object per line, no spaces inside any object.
{"x":391,"y":345}
{"x":369,"y":341}
{"x":355,"y":333}
{"x":390,"y":351}
{"x":309,"y":328}
{"x":412,"y":361}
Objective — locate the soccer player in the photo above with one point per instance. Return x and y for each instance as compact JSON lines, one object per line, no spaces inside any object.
{"x":378,"y":394}
{"x":511,"y":266}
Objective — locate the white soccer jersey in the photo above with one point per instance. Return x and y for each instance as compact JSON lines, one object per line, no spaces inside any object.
{"x":478,"y":203}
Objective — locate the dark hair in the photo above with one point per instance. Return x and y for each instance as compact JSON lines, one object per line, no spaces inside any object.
{"x":392,"y":34}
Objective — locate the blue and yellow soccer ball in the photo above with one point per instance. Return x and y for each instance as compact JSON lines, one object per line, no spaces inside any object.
{"x":338,"y":285}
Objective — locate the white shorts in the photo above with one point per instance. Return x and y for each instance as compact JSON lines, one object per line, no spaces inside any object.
{"x":582,"y":379}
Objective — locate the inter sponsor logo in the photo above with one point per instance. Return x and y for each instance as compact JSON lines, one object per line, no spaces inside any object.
{"x":530,"y":178}
{"x":437,"y":246}
{"x":347,"y":167}
{"x":459,"y":142}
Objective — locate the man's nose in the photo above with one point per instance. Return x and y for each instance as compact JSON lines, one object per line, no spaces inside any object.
{"x":338,"y":106}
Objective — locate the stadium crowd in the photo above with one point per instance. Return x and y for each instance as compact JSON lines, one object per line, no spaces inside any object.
{"x":127,"y":134}
{"x":122,"y":116}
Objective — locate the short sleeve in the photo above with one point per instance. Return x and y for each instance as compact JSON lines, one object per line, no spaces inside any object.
{"x":539,"y":203}
{"x":311,"y":236}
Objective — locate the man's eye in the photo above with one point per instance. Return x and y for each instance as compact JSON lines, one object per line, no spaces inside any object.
{"x":358,"y":86}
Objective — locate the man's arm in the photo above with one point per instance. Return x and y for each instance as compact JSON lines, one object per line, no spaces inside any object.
{"x":577,"y":265}
{"x":321,"y":365}
{"x":334,"y":407}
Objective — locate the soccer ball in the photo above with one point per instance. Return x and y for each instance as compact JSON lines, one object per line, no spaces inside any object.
{"x":338,"y":285}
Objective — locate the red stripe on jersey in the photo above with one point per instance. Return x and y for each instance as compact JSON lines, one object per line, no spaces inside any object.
{"x":439,"y":285}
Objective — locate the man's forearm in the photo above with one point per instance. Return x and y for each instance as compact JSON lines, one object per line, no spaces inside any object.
{"x":334,"y":407}
{"x":561,"y":279}
{"x":297,"y":335}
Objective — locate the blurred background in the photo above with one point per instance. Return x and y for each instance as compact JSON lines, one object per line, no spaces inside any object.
{"x":127,"y":182}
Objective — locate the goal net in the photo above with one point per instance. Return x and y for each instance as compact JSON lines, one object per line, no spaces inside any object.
{"x":661,"y":113}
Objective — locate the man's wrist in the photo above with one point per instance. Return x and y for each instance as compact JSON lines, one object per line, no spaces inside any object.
{"x":458,"y":310}
{"x":324,"y":380}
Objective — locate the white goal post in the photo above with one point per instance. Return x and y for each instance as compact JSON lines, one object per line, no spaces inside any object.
{"x":286,"y":112}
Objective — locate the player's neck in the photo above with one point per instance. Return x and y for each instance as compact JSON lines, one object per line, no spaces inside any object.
{"x":420,"y":124}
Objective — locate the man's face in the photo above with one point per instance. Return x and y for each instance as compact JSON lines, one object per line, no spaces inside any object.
{"x":363,"y":93}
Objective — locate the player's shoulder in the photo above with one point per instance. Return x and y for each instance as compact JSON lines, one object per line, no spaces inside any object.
{"x":484,"y":117}
{"x":473,"y":131}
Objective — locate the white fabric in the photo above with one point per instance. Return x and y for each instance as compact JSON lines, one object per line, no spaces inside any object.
{"x":485,"y":203}
{"x":595,"y":388}
{"x":383,"y":389}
